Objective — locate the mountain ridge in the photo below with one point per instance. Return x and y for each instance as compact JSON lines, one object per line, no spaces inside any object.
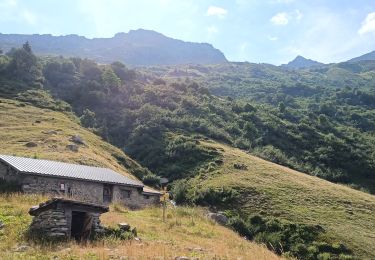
{"x":366,"y":56}
{"x":136,"y":48}
{"x":301,"y":62}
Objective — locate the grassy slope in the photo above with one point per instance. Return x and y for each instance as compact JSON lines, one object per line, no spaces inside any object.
{"x":18,"y":126}
{"x":185,"y":228}
{"x":186,"y":232}
{"x":348,"y":215}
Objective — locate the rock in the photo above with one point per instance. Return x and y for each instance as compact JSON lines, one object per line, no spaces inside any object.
{"x":1,"y":224}
{"x":31,"y":144}
{"x":72,"y":147}
{"x":22,"y":248}
{"x":56,"y":234}
{"x":219,"y":161}
{"x":77,"y":139}
{"x":38,"y":121}
{"x":124,"y":226}
{"x":51,"y":132}
{"x":134,"y":231}
{"x":137,"y":239}
{"x":240,"y":166}
{"x":218,"y":217}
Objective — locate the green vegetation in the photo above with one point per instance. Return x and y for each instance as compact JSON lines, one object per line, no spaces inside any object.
{"x":251,"y":186}
{"x":183,"y":122}
{"x":319,"y":121}
{"x":289,"y":239}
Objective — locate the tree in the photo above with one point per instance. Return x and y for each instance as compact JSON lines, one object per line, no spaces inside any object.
{"x":110,"y":80}
{"x":23,"y":65}
{"x":282,"y":107}
{"x":88,"y":118}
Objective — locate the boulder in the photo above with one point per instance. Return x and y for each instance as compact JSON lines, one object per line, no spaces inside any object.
{"x":77,"y":139}
{"x":240,"y":166}
{"x":22,"y":248}
{"x":1,"y":224}
{"x":218,"y":217}
{"x":124,"y":226}
{"x":31,"y":144}
{"x":72,"y":147}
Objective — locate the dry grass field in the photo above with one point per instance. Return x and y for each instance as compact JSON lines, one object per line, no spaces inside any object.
{"x":186,"y":232}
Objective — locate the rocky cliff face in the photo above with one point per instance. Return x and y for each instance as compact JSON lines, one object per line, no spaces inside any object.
{"x":136,"y":48}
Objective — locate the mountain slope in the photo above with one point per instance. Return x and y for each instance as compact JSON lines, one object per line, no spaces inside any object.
{"x":137,"y":47}
{"x":21,"y":123}
{"x":269,"y":189}
{"x":187,"y":232}
{"x":300,"y":63}
{"x":367,"y":56}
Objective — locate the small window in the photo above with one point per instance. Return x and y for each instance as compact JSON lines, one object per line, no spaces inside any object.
{"x":62,"y":186}
{"x":126,"y":193}
{"x":147,"y":197}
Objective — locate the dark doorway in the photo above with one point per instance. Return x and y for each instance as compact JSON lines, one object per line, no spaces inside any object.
{"x":107,"y":193}
{"x":81,"y":225}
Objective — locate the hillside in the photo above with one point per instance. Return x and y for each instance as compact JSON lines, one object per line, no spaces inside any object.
{"x":22,"y":123}
{"x":187,"y":231}
{"x":137,"y":47}
{"x":269,"y":189}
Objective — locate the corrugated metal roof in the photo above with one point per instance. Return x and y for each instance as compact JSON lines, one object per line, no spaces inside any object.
{"x":67,"y":170}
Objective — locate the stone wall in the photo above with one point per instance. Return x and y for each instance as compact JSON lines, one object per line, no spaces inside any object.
{"x":76,"y":189}
{"x":7,"y":173}
{"x":129,"y":196}
{"x":133,"y":197}
{"x":56,"y":224}
{"x":51,"y":223}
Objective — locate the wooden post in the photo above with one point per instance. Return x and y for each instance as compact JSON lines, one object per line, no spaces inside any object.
{"x":164,"y":198}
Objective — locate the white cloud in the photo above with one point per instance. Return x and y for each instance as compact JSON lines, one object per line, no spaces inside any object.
{"x":28,"y":16}
{"x":298,"y":14}
{"x":216,"y":11}
{"x":368,"y":25}
{"x":284,"y":18}
{"x":280,"y":19}
{"x":272,"y":38}
{"x":11,"y":10}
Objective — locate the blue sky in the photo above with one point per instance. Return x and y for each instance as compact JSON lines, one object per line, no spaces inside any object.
{"x":272,"y":31}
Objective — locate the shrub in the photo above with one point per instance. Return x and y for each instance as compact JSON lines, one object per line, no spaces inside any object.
{"x":216,"y":197}
{"x":290,"y":239}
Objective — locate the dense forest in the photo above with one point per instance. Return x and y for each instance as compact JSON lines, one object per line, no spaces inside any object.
{"x":320,"y":120}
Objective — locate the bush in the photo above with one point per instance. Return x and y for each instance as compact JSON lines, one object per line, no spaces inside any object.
{"x":290,"y":239}
{"x":180,"y":192}
{"x":216,"y":197}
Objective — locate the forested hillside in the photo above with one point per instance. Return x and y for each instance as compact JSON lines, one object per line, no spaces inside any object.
{"x":320,"y":120}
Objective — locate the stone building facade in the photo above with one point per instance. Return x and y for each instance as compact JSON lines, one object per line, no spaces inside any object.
{"x":65,"y":218}
{"x":85,"y":183}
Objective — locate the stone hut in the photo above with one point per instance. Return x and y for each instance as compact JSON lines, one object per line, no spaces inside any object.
{"x":60,"y":218}
{"x":81,"y":182}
